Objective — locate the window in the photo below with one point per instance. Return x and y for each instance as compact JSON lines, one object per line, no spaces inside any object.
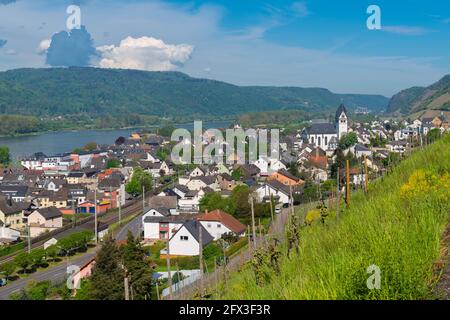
{"x":326,"y":140}
{"x":209,"y":225}
{"x":184,"y":238}
{"x":318,"y":141}
{"x":219,"y":225}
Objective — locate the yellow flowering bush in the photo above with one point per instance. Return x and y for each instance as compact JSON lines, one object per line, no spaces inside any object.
{"x":422,"y":182}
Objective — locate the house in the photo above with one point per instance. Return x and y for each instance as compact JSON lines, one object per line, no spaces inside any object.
{"x":191,"y":200}
{"x":327,"y":135}
{"x":75,"y":177}
{"x":225,"y":181}
{"x":8,"y":235}
{"x":197,"y":172}
{"x":202,"y":182}
{"x":186,"y":241}
{"x":361,"y":151}
{"x":273,"y":189}
{"x":163,"y":204}
{"x":286,"y":178}
{"x":161,"y":227}
{"x":12,"y":213}
{"x":263,"y":165}
{"x":16,"y":192}
{"x":399,"y":146}
{"x":45,"y":219}
{"x":218,"y":223}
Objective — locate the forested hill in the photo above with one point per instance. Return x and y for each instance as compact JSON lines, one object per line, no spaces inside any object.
{"x":416,"y":99}
{"x":95,"y":92}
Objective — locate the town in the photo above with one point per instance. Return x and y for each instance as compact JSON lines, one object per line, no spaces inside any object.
{"x":183,"y":211}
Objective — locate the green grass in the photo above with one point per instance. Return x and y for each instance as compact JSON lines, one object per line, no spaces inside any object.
{"x":402,"y":237}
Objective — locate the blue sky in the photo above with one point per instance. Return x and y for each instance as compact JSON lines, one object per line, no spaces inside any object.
{"x":311,"y":43}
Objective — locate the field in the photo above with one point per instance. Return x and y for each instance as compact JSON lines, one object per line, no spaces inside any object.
{"x":397,"y":227}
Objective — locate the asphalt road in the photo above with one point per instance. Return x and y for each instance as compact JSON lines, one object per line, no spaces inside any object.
{"x":135,"y":226}
{"x":54,"y":274}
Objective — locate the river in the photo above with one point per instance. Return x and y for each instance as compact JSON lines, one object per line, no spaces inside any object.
{"x":66,"y":141}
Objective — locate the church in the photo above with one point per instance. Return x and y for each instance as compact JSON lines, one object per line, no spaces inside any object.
{"x":327,"y":135}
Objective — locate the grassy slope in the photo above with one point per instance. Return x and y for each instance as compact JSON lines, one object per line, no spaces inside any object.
{"x":401,"y":237}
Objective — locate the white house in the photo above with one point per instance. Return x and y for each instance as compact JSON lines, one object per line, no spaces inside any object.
{"x":275,"y":189}
{"x":191,"y":200}
{"x":263,"y":165}
{"x":186,"y":241}
{"x":160,"y":227}
{"x":218,"y":223}
{"x":8,"y":235}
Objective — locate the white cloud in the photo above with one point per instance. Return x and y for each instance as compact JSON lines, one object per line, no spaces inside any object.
{"x":406,"y":30}
{"x":145,"y":53}
{"x":300,"y":9}
{"x":43,"y":46}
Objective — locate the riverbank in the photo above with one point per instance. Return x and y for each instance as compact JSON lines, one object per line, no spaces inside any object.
{"x":54,"y":142}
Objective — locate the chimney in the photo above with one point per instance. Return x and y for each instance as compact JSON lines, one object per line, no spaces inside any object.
{"x":206,"y":211}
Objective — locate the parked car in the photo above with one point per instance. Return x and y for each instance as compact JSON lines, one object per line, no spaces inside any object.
{"x":3,"y":282}
{"x":277,"y":210}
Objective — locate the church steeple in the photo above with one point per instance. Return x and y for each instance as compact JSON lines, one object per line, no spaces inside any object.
{"x":341,"y":121}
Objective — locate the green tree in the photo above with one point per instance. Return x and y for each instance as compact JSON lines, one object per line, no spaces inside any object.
{"x":113,"y":163}
{"x":52,"y":252}
{"x":5,"y":157}
{"x":166,"y":130}
{"x":348,"y":140}
{"x":23,"y":260}
{"x":107,"y":279}
{"x":90,"y":146}
{"x":137,"y":267}
{"x":7,"y":269}
{"x":432,"y":135}
{"x":139,"y":179}
{"x":37,"y":256}
{"x":237,"y":174}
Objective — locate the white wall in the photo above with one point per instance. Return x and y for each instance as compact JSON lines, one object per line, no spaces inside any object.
{"x":183,"y":248}
{"x":214,"y":230}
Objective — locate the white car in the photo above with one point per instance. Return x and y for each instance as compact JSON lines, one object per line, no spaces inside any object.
{"x":277,"y":210}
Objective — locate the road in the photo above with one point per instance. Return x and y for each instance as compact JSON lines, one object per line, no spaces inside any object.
{"x":54,"y":274}
{"x":135,"y":226}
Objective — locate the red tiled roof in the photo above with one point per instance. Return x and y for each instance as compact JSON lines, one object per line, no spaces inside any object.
{"x":227,"y":220}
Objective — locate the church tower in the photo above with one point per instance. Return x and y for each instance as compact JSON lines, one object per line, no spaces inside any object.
{"x":341,"y":121}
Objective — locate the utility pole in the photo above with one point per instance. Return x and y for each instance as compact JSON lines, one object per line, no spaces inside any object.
{"x":292,"y":200}
{"x":366,"y":175}
{"x":74,"y":215}
{"x":200,"y":255}
{"x":253,"y":221}
{"x":143,"y":199}
{"x":29,"y":238}
{"x":169,"y":274}
{"x":127,"y":287}
{"x":95,"y":216}
{"x":120,"y":213}
{"x":271,"y":207}
{"x":338,"y":193}
{"x":347,"y":194}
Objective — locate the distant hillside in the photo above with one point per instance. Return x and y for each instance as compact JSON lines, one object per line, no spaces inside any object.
{"x":96,"y":92}
{"x":417,"y":99}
